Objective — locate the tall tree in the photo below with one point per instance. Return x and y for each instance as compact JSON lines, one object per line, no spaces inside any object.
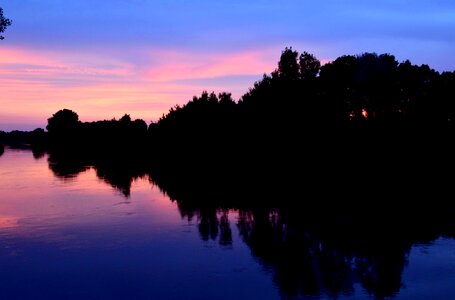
{"x":4,"y":22}
{"x":309,"y":65}
{"x":288,"y":67}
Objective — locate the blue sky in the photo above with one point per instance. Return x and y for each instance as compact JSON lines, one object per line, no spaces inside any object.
{"x":104,"y":58}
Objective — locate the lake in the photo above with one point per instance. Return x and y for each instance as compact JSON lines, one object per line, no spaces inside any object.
{"x":78,"y":235}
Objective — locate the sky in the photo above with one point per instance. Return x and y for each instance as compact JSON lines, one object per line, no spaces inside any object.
{"x":106,"y":58}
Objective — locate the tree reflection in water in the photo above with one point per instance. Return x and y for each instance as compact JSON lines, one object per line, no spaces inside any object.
{"x":311,"y":255}
{"x":309,"y":259}
{"x":311,"y":250}
{"x":213,"y":224}
{"x":119,"y":173}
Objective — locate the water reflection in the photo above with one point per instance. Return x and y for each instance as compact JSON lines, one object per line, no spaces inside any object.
{"x":330,"y":257}
{"x":310,"y":251}
{"x":120,"y":174}
{"x":308,"y":259}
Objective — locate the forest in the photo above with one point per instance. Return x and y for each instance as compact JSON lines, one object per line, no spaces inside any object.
{"x":300,"y":99}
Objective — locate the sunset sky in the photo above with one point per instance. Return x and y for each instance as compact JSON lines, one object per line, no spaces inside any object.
{"x":105,"y":58}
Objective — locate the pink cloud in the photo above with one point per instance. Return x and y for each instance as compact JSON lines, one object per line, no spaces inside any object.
{"x":36,"y":84}
{"x":181,"y":65}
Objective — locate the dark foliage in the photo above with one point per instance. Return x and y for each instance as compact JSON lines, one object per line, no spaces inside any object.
{"x":360,"y":126}
{"x":108,"y":138}
{"x":62,"y":123}
{"x":16,"y":138}
{"x":4,"y":23}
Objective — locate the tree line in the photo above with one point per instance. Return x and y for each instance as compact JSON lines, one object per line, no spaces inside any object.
{"x":356,"y":106}
{"x":362,"y":124}
{"x":299,"y":97}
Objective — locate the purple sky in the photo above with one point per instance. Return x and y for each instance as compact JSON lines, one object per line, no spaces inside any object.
{"x":105,"y":58}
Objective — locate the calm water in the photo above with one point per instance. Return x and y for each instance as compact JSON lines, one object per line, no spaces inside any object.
{"x":77,"y":237}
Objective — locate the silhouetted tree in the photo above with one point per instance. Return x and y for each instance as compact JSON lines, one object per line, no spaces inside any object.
{"x":338,"y":88}
{"x":288,"y":68}
{"x":377,"y":87}
{"x":39,"y":142}
{"x":4,"y":23}
{"x":445,"y":91}
{"x":125,"y":119}
{"x":140,"y":125}
{"x":309,"y":65}
{"x":62,"y":122}
{"x":421,"y":102}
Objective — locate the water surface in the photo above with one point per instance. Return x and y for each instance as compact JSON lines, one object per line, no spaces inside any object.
{"x":77,"y":237}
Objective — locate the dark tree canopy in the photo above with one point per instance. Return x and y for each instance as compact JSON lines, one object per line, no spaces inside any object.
{"x":62,"y":121}
{"x":309,"y":65}
{"x":4,"y":23}
{"x":126,"y":118}
{"x":288,"y":67}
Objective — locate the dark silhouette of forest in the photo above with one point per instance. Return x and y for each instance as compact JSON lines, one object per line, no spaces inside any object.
{"x":360,"y":127}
